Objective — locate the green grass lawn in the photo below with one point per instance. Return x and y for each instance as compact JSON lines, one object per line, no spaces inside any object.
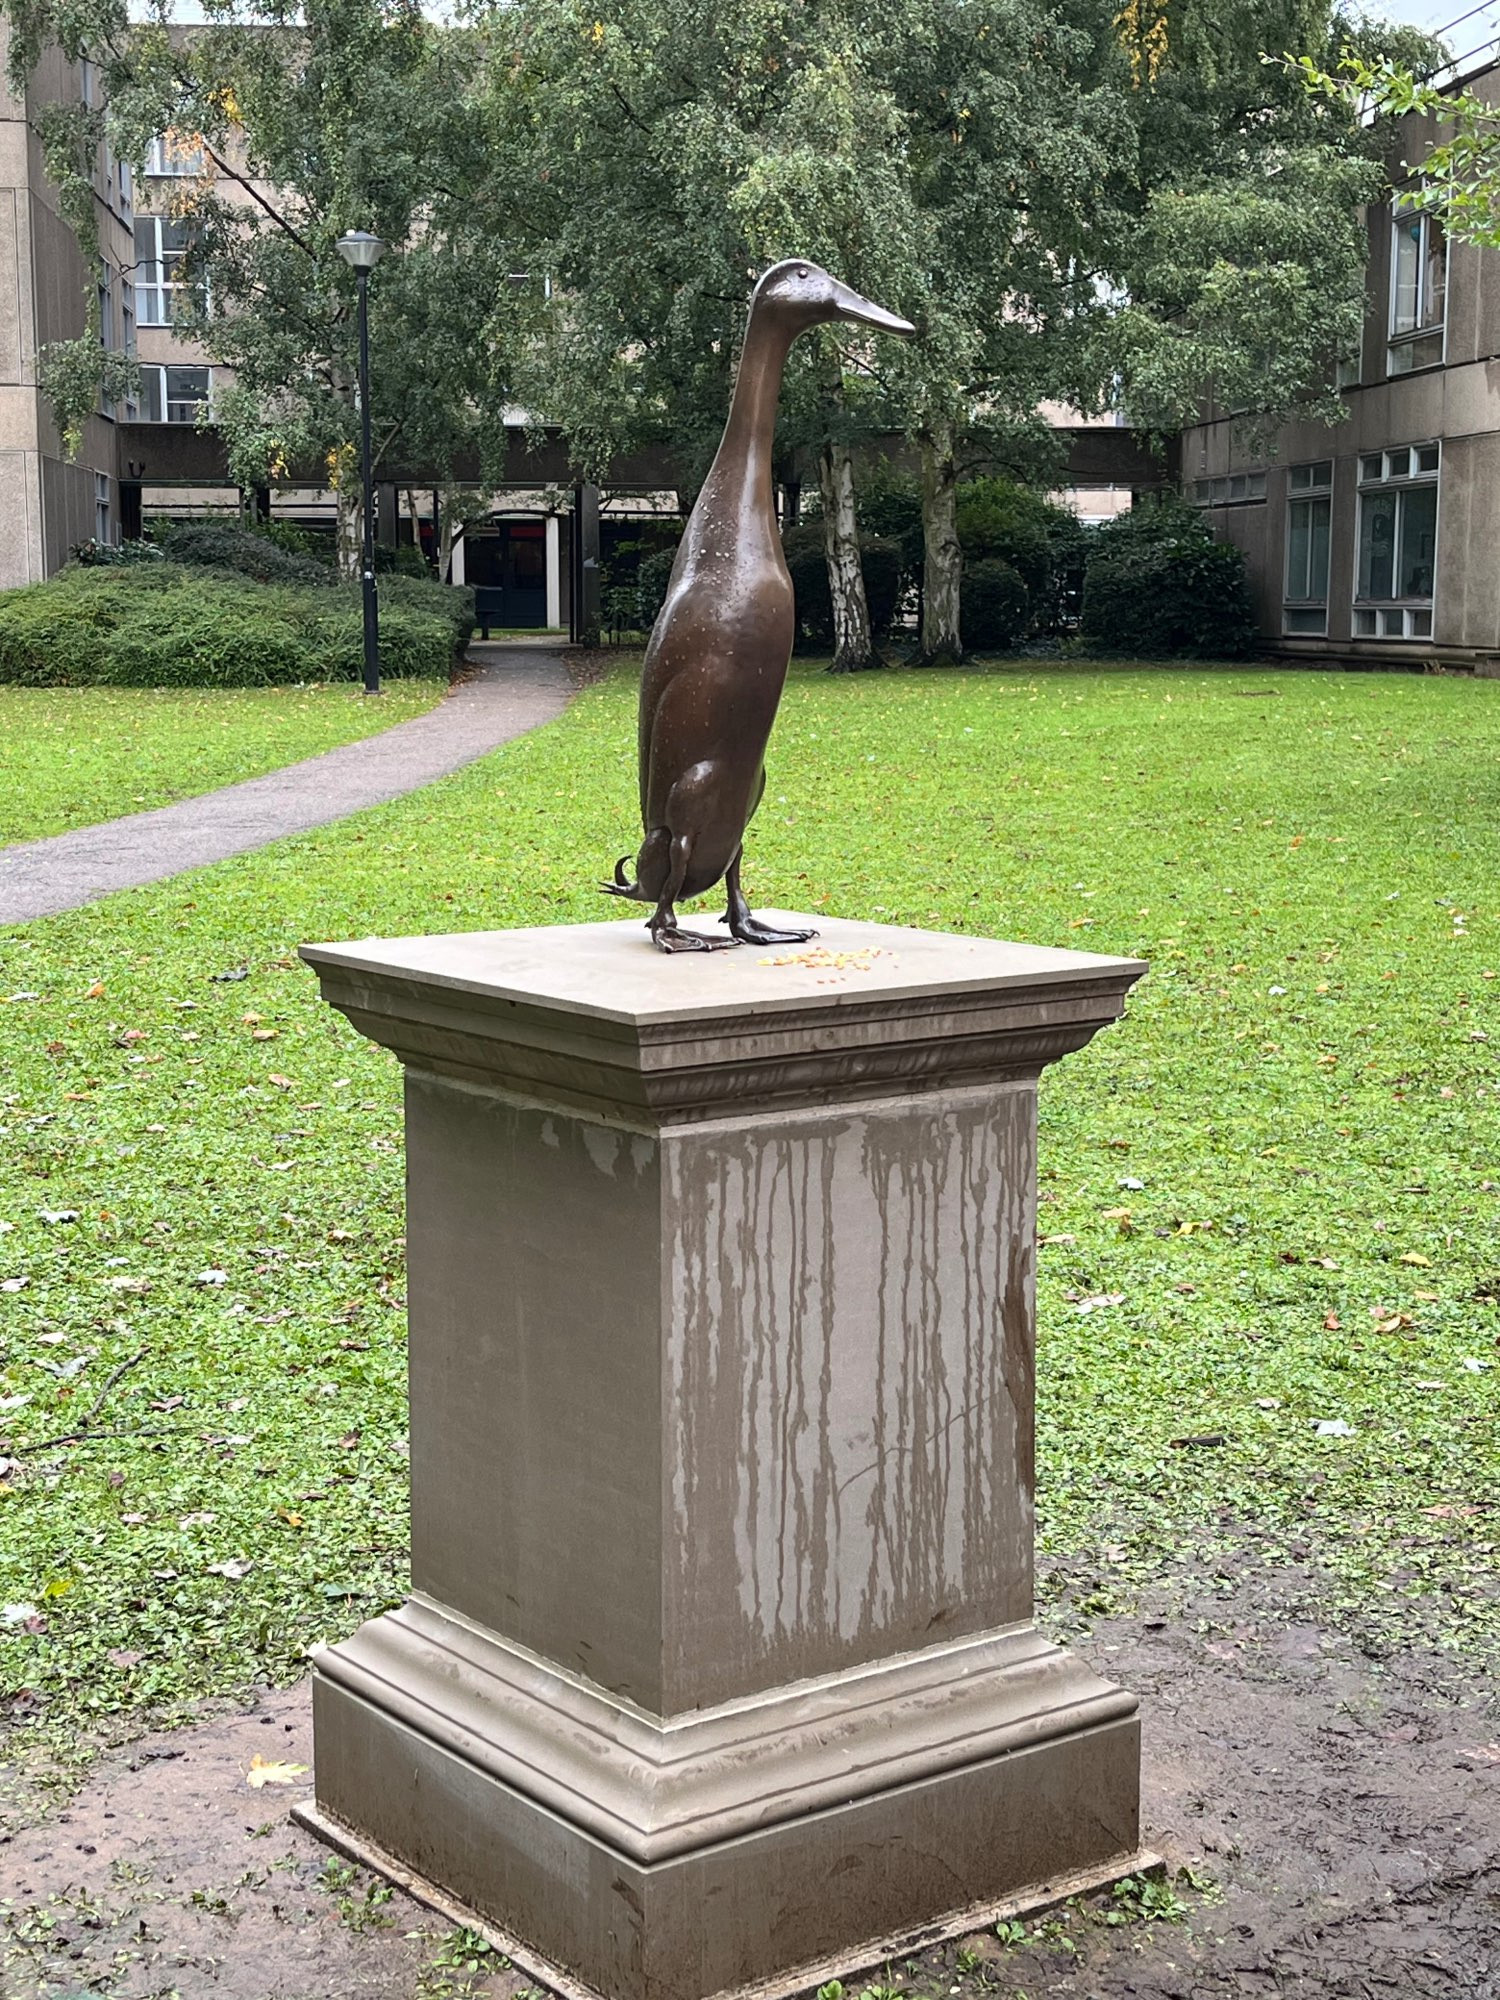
{"x":1281,"y":1172}
{"x":72,"y":756}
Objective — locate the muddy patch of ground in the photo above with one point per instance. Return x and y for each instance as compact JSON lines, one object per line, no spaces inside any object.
{"x":1344,"y":1812}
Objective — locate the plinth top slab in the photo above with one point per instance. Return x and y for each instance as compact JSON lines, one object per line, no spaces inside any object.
{"x":613,"y":971}
{"x":594,"y":1016}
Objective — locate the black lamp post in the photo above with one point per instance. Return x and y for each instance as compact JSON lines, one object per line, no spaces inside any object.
{"x":363,"y":252}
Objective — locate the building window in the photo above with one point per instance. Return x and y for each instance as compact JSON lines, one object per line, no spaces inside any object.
{"x":103,"y":527}
{"x":1398,"y":507}
{"x":1309,"y":510}
{"x":1233,"y":490}
{"x":174,"y":395}
{"x":161,"y":246}
{"x":175,"y":154}
{"x":1419,"y":291}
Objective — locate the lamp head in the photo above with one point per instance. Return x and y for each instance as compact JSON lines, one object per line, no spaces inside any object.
{"x":360,"y":250}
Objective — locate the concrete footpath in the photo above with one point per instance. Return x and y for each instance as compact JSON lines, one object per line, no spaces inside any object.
{"x":517,"y":687}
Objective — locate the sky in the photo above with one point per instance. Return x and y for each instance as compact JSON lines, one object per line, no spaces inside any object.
{"x":1475,"y":32}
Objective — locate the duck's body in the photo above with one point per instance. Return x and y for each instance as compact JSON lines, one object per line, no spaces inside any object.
{"x":717,"y":658}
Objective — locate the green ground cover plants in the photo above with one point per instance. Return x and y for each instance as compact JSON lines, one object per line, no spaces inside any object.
{"x":170,"y":624}
{"x":73,"y":756}
{"x":1270,"y":1222}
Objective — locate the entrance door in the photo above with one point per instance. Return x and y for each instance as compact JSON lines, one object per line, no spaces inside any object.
{"x":506,"y":562}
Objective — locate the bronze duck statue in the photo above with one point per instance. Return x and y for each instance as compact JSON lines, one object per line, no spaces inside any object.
{"x":717,"y":657}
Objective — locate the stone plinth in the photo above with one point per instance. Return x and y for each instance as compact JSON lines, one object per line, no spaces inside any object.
{"x":719,"y":1657}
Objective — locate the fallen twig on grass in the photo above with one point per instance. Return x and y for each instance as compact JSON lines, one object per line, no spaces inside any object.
{"x":74,"y":1436}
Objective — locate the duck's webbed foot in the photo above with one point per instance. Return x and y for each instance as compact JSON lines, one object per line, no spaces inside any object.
{"x":750,"y":932}
{"x":668,"y":935}
{"x":743,"y":927}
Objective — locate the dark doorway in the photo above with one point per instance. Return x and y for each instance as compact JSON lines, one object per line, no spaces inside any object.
{"x":506,"y":562}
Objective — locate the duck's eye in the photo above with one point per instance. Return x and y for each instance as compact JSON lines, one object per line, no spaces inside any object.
{"x":802,"y":271}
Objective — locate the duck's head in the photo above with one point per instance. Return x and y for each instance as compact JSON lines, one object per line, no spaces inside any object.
{"x":804,"y":294}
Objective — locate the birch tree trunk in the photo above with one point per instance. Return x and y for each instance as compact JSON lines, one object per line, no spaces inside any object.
{"x":853,"y":650}
{"x":343,"y":469}
{"x":942,"y":558}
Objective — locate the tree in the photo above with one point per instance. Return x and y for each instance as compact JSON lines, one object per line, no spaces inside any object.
{"x":1237,"y":275}
{"x":309,"y":120}
{"x":667,"y":151}
{"x":1458,"y":177}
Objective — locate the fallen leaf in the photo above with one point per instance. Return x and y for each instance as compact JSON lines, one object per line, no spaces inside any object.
{"x":120,"y":1657}
{"x":281,"y":1082}
{"x":52,"y":1216}
{"x":264,"y":1034}
{"x":265,"y":1771}
{"x":231,"y":1569}
{"x":96,"y":991}
{"x":1331,"y":1322}
{"x":1414,"y":1257}
{"x":1099,"y":1301}
{"x":212,"y":1276}
{"x":1333,"y":1427}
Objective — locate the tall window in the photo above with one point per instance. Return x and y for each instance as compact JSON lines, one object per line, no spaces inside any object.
{"x":1419,"y":291}
{"x":1398,"y":504}
{"x":175,"y":154}
{"x":174,"y":395}
{"x":161,"y":246}
{"x":1308,"y":511}
{"x":103,"y":526}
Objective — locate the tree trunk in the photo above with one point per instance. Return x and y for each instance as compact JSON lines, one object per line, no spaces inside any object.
{"x":853,"y":650}
{"x":343,"y":472}
{"x":942,"y":558}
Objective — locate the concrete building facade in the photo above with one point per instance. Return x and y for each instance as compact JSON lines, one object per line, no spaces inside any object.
{"x":49,"y":502}
{"x":1375,"y":539}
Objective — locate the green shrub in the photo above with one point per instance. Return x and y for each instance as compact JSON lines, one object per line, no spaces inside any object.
{"x":298,"y":540}
{"x":1156,"y":583}
{"x":425,"y":597}
{"x":1043,"y":543}
{"x":651,"y":580}
{"x":994,"y":606}
{"x":113,"y":555}
{"x":170,"y":625}
{"x":889,"y":504}
{"x":802,"y":547}
{"x":880,"y":558}
{"x":227,"y":545}
{"x":885,"y":579}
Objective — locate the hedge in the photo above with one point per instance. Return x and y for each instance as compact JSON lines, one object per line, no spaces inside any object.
{"x":1156,"y":583}
{"x":168,"y":625}
{"x":994,"y":606}
{"x":880,"y":559}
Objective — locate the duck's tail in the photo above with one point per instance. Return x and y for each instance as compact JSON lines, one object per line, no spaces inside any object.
{"x":623,"y":886}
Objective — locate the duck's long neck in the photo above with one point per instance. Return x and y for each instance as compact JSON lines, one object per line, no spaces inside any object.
{"x":741,"y":472}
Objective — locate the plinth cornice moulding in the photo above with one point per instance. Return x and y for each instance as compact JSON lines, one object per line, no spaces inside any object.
{"x":652,"y":1787}
{"x":851,"y":1017}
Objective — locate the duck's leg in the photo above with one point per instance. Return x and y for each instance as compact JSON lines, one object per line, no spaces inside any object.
{"x":666,"y":933}
{"x":743,"y":926}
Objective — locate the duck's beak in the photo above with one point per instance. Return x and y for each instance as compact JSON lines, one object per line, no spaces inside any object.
{"x":850,"y":304}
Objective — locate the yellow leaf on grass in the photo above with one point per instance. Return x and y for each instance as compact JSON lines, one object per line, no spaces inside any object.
{"x":264,"y":1771}
{"x":1414,"y":1257}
